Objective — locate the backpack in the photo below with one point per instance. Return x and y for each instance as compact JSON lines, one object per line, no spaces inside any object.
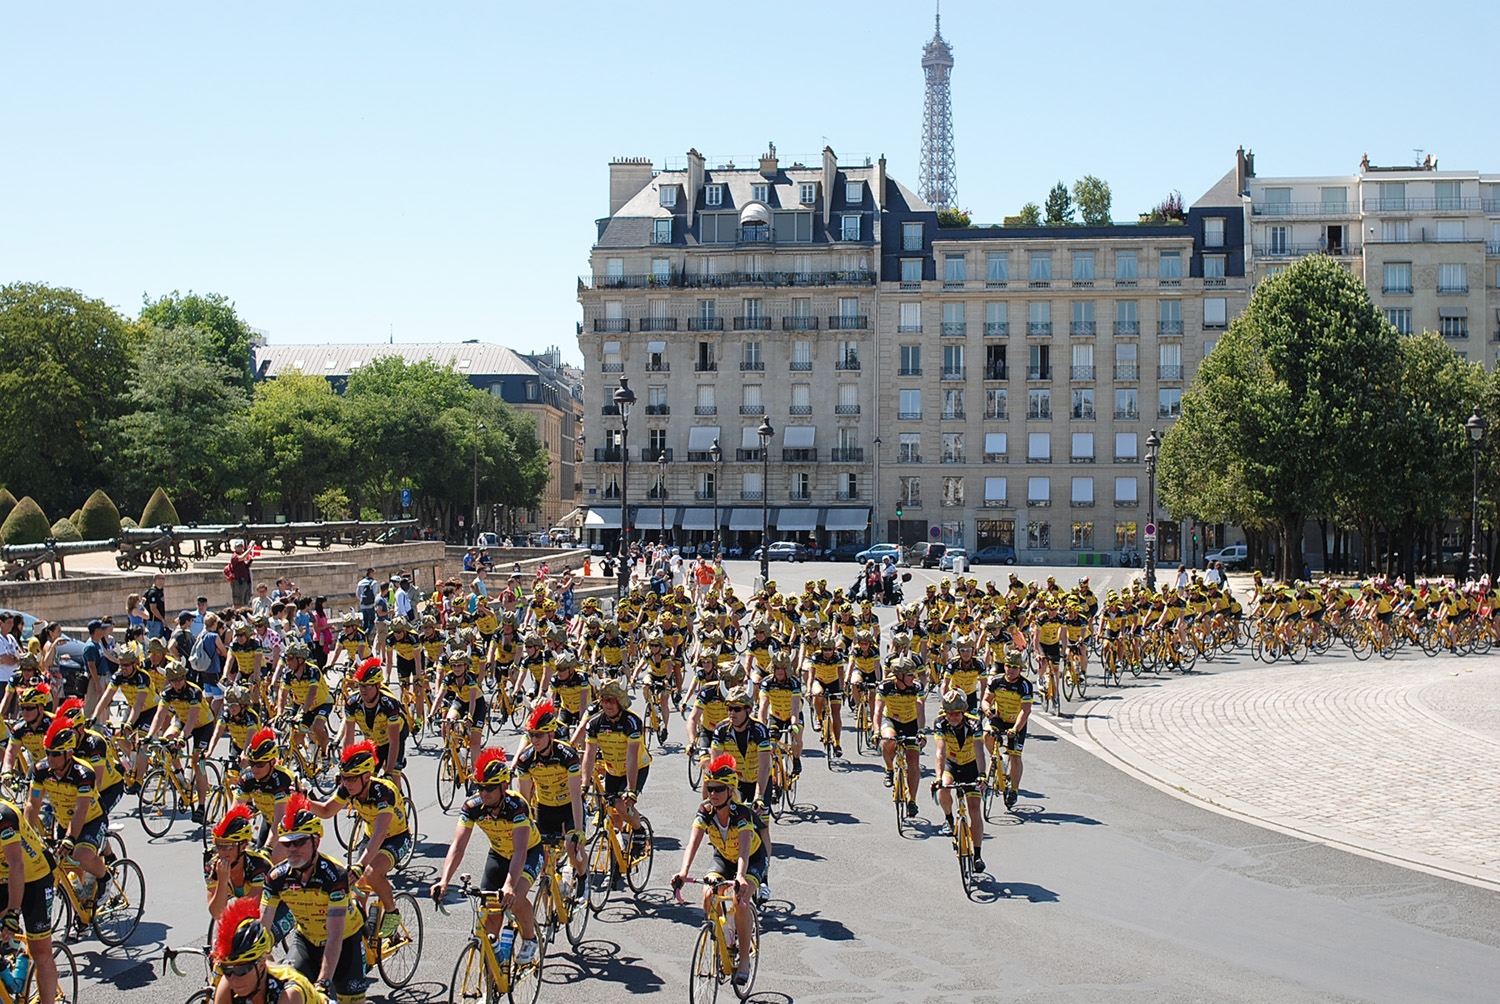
{"x":367,"y":593}
{"x":200,"y":660}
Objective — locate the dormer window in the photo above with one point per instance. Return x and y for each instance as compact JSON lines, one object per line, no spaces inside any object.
{"x":760,"y":193}
{"x":807,"y":194}
{"x":854,"y":192}
{"x":668,"y":195}
{"x":713,"y":195}
{"x":662,"y":232}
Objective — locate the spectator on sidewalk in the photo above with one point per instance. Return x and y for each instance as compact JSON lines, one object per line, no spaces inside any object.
{"x":366,"y":591}
{"x":238,"y":571}
{"x":10,"y":650}
{"x":156,"y":607}
{"x":262,"y":602}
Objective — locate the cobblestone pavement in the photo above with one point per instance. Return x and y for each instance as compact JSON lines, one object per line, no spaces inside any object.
{"x":1400,"y":759}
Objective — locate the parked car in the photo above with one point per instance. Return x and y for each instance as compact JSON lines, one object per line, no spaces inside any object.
{"x":930,"y":554}
{"x":877,"y":553}
{"x":784,"y":550}
{"x":995,"y":554}
{"x":1234,"y":556}
{"x":844,"y":552}
{"x":945,"y":563}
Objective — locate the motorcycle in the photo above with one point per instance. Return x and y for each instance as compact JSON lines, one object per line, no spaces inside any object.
{"x":1129,"y":557}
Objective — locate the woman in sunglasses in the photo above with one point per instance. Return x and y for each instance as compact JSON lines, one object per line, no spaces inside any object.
{"x":246,"y":975}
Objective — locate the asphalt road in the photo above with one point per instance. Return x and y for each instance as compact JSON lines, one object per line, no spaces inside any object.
{"x":1101,"y":888}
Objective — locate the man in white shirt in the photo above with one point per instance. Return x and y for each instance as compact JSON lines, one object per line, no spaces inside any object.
{"x":10,"y":649}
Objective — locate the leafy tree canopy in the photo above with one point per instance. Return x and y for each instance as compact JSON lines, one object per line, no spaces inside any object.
{"x":213,"y":313}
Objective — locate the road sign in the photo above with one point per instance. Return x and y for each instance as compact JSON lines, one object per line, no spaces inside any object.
{"x":935,"y":532}
{"x":1150,"y":531}
{"x":406,"y":498}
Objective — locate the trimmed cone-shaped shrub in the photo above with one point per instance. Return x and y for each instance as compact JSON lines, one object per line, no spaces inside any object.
{"x":77,"y":517}
{"x":100,"y":520}
{"x":7,"y":503}
{"x":26,"y":524}
{"x":159,"y":510}
{"x":64,"y":530}
{"x":126,"y":523}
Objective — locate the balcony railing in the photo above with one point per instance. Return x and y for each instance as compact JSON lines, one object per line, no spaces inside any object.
{"x":1410,"y":205}
{"x":609,"y":409}
{"x":1126,"y":460}
{"x":1039,"y":284}
{"x":1083,"y":503}
{"x":751,"y":495}
{"x":611,"y":325}
{"x":951,"y":503}
{"x":650,"y":455}
{"x":790,"y":323}
{"x":1127,"y":503}
{"x":955,"y":372}
{"x":848,"y":322}
{"x":908,"y":329}
{"x":1127,"y":371}
{"x":997,"y":284}
{"x":1127,"y":414}
{"x":1039,"y":503}
{"x":752,"y":409}
{"x":658,"y":409}
{"x":847,"y":454}
{"x":1453,"y":290}
{"x":1341,"y":208}
{"x":1281,"y":249}
{"x":955,"y":329}
{"x":1169,"y":372}
{"x":705,"y":496}
{"x":700,"y":456}
{"x":801,"y":366}
{"x":996,"y":415}
{"x":908,"y":458}
{"x":952,"y":416}
{"x":705,"y":324}
{"x":909,"y":416}
{"x":1038,"y":328}
{"x":1039,"y":460}
{"x":658,"y":324}
{"x":1127,"y":329}
{"x":800,"y":409}
{"x":1492,"y":247}
{"x":705,"y":409}
{"x":752,"y":366}
{"x":1038,"y":414}
{"x":846,"y":409}
{"x":1082,"y":329}
{"x":1214,"y":282}
{"x":996,"y":504}
{"x":1169,"y":327}
{"x":909,"y":371}
{"x":799,"y":456}
{"x":911,"y":503}
{"x":612,"y":368}
{"x":1397,"y":290}
{"x":1083,"y":283}
{"x":721,"y":280}
{"x":846,"y":363}
{"x":1085,"y":412}
{"x":1170,"y":282}
{"x":606,"y":455}
{"x":1123,"y":283}
{"x":752,"y":324}
{"x":996,"y":372}
{"x":1080,"y":372}
{"x":1039,"y":372}
{"x":658,"y":367}
{"x":747,"y":456}
{"x":996,"y":329}
{"x":953,"y":458}
{"x":847,"y":496}
{"x":706,"y":366}
{"x":995,"y":458}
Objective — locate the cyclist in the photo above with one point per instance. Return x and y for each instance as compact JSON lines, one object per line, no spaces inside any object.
{"x":463,"y":699}
{"x":265,"y":786}
{"x":901,"y":714}
{"x":966,"y":673}
{"x":1007,"y":704}
{"x":187,"y":703}
{"x":781,"y":705}
{"x":730,"y":827}
{"x":1047,"y":632}
{"x":825,"y":681}
{"x":960,"y":760}
{"x":69,"y":784}
{"x":326,"y":944}
{"x":378,"y":715}
{"x":242,"y":955}
{"x":26,"y":872}
{"x":381,"y":807}
{"x":99,"y":753}
{"x":549,"y":773}
{"x":749,"y":742}
{"x":231,"y":868}
{"x":306,"y":691}
{"x":659,"y":674}
{"x":134,"y":684}
{"x":27,"y":735}
{"x":237,"y":719}
{"x":614,"y":738}
{"x":515,"y":857}
{"x":569,"y":691}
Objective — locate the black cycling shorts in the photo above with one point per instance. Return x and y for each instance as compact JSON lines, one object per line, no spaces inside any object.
{"x":554,"y":821}
{"x":36,"y":907}
{"x":904,"y":732}
{"x":962,"y":773}
{"x":614,"y":784}
{"x":1052,"y":652}
{"x":496,"y":869}
{"x":348,"y":976}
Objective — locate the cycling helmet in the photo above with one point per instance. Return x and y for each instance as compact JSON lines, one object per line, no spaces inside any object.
{"x":358,"y":759}
{"x":155,"y":646}
{"x":955,"y":700}
{"x":565,"y":660}
{"x":262,"y":747}
{"x":62,"y":736}
{"x":905,"y":665}
{"x":491,"y":768}
{"x":723,"y":770}
{"x":615,"y":690}
{"x":739,"y":697}
{"x":176,"y":671}
{"x":399,"y":623}
{"x":241,"y":937}
{"x":297,"y":650}
{"x":1015,"y":659}
{"x":370,"y":672}
{"x":36,"y":697}
{"x":28,"y":661}
{"x":129,"y":656}
{"x":299,"y":818}
{"x":533,"y":640}
{"x":543,"y":718}
{"x":236,"y":826}
{"x":460,"y":658}
{"x":237,"y":695}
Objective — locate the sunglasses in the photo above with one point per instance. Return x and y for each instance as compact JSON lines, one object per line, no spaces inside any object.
{"x":296,"y":838}
{"x":490,"y":787}
{"x":715,"y":789}
{"x":235,"y":972}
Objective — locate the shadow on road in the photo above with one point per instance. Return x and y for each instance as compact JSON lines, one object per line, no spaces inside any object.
{"x":781,"y":849}
{"x":597,"y":959}
{"x":1036,"y":814}
{"x":1022,"y":890}
{"x":417,"y":993}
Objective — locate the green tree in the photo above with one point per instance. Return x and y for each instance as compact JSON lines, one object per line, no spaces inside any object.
{"x":215,"y":314}
{"x":958,"y":219}
{"x":63,"y":363}
{"x":1029,"y":216}
{"x":65,"y":530}
{"x":185,"y":425}
{"x":26,"y":524}
{"x":1093,"y":198}
{"x":7,"y":503}
{"x":1167,"y":212}
{"x":159,"y":510}
{"x":303,"y":442}
{"x":332,"y":503}
{"x":1278,"y":423}
{"x":1059,"y":206}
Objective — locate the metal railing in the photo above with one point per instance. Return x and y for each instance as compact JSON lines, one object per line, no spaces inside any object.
{"x":910,"y":371}
{"x":705,"y":324}
{"x":848,"y":322}
{"x":952,"y":416}
{"x":611,"y":367}
{"x":791,"y":323}
{"x":1039,"y":460}
{"x":955,"y":329}
{"x":656,"y":493}
{"x":1396,"y":290}
{"x":700,"y":456}
{"x":706,"y":366}
{"x":1127,"y":414}
{"x":1127,"y":329}
{"x":1038,"y":328}
{"x":1453,"y":290}
{"x":658,"y":409}
{"x":909,"y":416}
{"x":705,"y":496}
{"x":801,"y":366}
{"x":750,"y":495}
{"x":847,"y":454}
{"x":611,"y":324}
{"x":995,"y":458}
{"x":1080,"y":372}
{"x":1169,"y":327}
{"x":1084,"y":413}
{"x":752,"y":409}
{"x":1082,"y":329}
{"x":1467,"y":204}
{"x":800,"y":409}
{"x":1038,"y":414}
{"x":705,"y":409}
{"x":651,"y":455}
{"x":847,"y":496}
{"x":752,"y":366}
{"x":662,"y":367}
{"x":953,"y":458}
{"x":1169,"y":372}
{"x":752,"y":324}
{"x":908,"y":458}
{"x":1279,"y":249}
{"x":1127,"y":371}
{"x":607,"y":455}
{"x":955,"y":372}
{"x":799,"y":456}
{"x":996,"y":415}
{"x":657,"y":324}
{"x":747,"y":456}
{"x":721,"y":280}
{"x":996,"y":329}
{"x":1344,"y":208}
{"x":997,"y":372}
{"x":846,"y":363}
{"x":609,"y":409}
{"x":1039,"y":372}
{"x":908,"y":329}
{"x":846,"y":409}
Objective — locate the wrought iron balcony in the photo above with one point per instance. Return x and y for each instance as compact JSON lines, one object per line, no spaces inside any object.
{"x":705,"y":324}
{"x":752,"y":324}
{"x":908,"y":329}
{"x":658,"y":324}
{"x":847,"y":454}
{"x":790,"y":323}
{"x":996,"y":329}
{"x":659,"y":367}
{"x":1037,"y":329}
{"x":911,"y":371}
{"x":996,"y":415}
{"x":955,"y":372}
{"x":723,"y":280}
{"x":1169,"y":327}
{"x":609,"y":409}
{"x":706,"y":366}
{"x":955,"y":329}
{"x":846,"y":363}
{"x":846,"y":409}
{"x":995,"y":458}
{"x":752,"y":366}
{"x":1169,"y":372}
{"x":1127,"y":329}
{"x":996,"y":504}
{"x":1082,"y":329}
{"x":908,"y":458}
{"x":705,"y":409}
{"x":752,"y":409}
{"x":1127,"y":371}
{"x":953,"y":458}
{"x":848,"y":322}
{"x":1038,"y":414}
{"x":1080,"y":372}
{"x":801,"y":366}
{"x":952,"y":416}
{"x":705,"y":496}
{"x":658,"y":409}
{"x":652,"y":455}
{"x":799,"y":456}
{"x":847,"y":496}
{"x":611,"y":325}
{"x":747,"y":456}
{"x":996,"y":371}
{"x":800,"y":409}
{"x":1039,"y":372}
{"x":611,"y":367}
{"x":1127,"y":414}
{"x":607,"y":455}
{"x":751,"y":495}
{"x":909,"y":416}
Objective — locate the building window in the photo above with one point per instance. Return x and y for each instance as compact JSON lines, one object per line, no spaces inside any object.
{"x":1083,"y":266}
{"x":752,"y":358}
{"x":1450,"y":230}
{"x":854,"y":192}
{"x":1393,"y":196}
{"x":1453,"y":278}
{"x":1041,"y":266}
{"x":1039,"y":447}
{"x":667,"y":195}
{"x":1169,"y":313}
{"x":1125,"y":445}
{"x":997,"y":318}
{"x":1400,"y":319}
{"x":1169,"y":403}
{"x":911,"y":404}
{"x":955,"y":268}
{"x":1083,"y":404}
{"x":850,"y":230}
{"x":995,"y":403}
{"x":1083,"y":532}
{"x":1039,"y":404}
{"x":1127,"y":403}
{"x":802,"y":355}
{"x":997,"y":267}
{"x":1171,"y":265}
{"x":910,"y":320}
{"x":1039,"y":535}
{"x":1083,"y":446}
{"x":807,"y":193}
{"x":1213,"y":266}
{"x":994,"y":491}
{"x":911,"y":270}
{"x":1278,"y":240}
{"x":909,"y":448}
{"x":1397,"y":277}
{"x":953,"y":404}
{"x":1214,"y":312}
{"x":713,"y":195}
{"x":953,"y":447}
{"x":661,"y":232}
{"x":1395,"y":231}
{"x":910,"y":491}
{"x":953,"y":492}
{"x":1039,"y":363}
{"x":1448,"y":197}
{"x":760,"y":193}
{"x":1453,"y":327}
{"x":801,"y":486}
{"x":911,"y":360}
{"x":1039,"y":490}
{"x":750,"y":484}
{"x":1213,"y":232}
{"x":911,"y":237}
{"x":1125,"y":266}
{"x":802,"y":398}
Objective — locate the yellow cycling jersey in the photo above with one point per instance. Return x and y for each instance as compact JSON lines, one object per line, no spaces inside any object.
{"x":500,"y":822}
{"x":1008,"y":697}
{"x":569,"y":692}
{"x":726,"y":836}
{"x":825,"y":671}
{"x":185,"y":702}
{"x":780,"y":694}
{"x":310,"y":900}
{"x":1049,"y":632}
{"x":245,"y":655}
{"x":898,"y":703}
{"x":745,"y":747}
{"x":959,"y":741}
{"x":432,"y":644}
{"x":381,"y":796}
{"x":310,"y":680}
{"x":65,"y":787}
{"x":614,"y":737}
{"x":136,"y":684}
{"x":965,"y":678}
{"x":14,"y":830}
{"x":550,"y":773}
{"x":404,"y":645}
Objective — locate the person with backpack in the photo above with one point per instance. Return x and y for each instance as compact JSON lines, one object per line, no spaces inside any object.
{"x":365,"y":592}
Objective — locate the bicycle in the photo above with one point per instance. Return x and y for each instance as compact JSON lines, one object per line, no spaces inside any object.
{"x":963,"y":836}
{"x":167,"y":791}
{"x":996,"y":779}
{"x":480,"y":974}
{"x":394,"y":956}
{"x":865,"y":739}
{"x":716,"y":953}
{"x":899,"y":793}
{"x":62,"y":957}
{"x":609,"y":857}
{"x":1047,"y":683}
{"x":117,"y":906}
{"x":1074,"y":679}
{"x":554,"y":908}
{"x":454,"y":770}
{"x":319,"y":770}
{"x":781,"y":788}
{"x":350,"y":829}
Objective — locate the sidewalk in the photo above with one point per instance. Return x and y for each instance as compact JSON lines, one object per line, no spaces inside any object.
{"x":1398,"y":760}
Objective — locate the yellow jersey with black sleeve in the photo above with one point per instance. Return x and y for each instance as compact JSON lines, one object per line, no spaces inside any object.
{"x":760,"y":650}
{"x":611,"y":652}
{"x":550,"y":773}
{"x":182,"y":703}
{"x":461,"y":688}
{"x":262,"y":794}
{"x":659,"y":668}
{"x":958,"y":740}
{"x":310,"y":680}
{"x":825,"y":671}
{"x":899,"y":704}
{"x":131,"y":684}
{"x":965,"y":676}
{"x":866,"y":662}
{"x":1008,"y":697}
{"x":709,"y":699}
{"x":14,"y":829}
{"x":725,"y":837}
{"x":97,"y":751}
{"x":569,"y":692}
{"x":499,"y":823}
{"x":240,"y":727}
{"x":1049,"y":629}
{"x":506,"y":650}
{"x":311,"y":898}
{"x":745,"y":746}
{"x":404,"y":644}
{"x":65,"y":787}
{"x":613,"y":737}
{"x":432,"y":644}
{"x":281,"y":978}
{"x":374,"y":722}
{"x":1076,"y":627}
{"x":255,"y":865}
{"x":30,"y":736}
{"x":486,"y":623}
{"x":780,"y":694}
{"x":352,"y":642}
{"x":380,"y":796}
{"x":245,"y":654}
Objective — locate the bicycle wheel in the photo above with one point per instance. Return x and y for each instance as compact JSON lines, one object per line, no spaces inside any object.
{"x":120,"y":903}
{"x":344,"y":825}
{"x":214,"y":807}
{"x":694,"y":766}
{"x":864,"y":735}
{"x":962,"y":844}
{"x":400,"y":953}
{"x":1361,"y":645}
{"x":1081,"y":684}
{"x":67,"y":978}
{"x":159,"y":803}
{"x":62,"y":913}
{"x":517,"y":719}
{"x":1187,"y":656}
{"x":640,"y":863}
{"x":789,"y":794}
{"x":203,"y":996}
{"x":1067,"y":682}
{"x":471,"y":982}
{"x":578,"y":915}
{"x":703,"y":985}
{"x":526,"y":981}
{"x":753,"y":962}
{"x":411,"y":845}
{"x":449,"y":779}
{"x":601,"y":865}
{"x":424,"y":737}
{"x":898,"y":794}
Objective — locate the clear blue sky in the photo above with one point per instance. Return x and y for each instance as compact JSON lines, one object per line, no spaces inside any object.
{"x":343,"y":169}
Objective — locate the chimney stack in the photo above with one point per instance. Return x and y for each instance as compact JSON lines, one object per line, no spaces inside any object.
{"x":830,"y":178}
{"x":627,"y":176}
{"x":695,"y":178}
{"x":768,"y":162}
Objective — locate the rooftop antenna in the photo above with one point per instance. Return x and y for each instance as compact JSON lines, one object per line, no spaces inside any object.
{"x":393,"y":334}
{"x":1418,"y":151}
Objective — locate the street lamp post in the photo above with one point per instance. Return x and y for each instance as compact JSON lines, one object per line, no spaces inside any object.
{"x":873,"y":535}
{"x":765,"y":432}
{"x":1153,"y":443}
{"x":474,"y":516}
{"x":717,"y":455}
{"x":624,"y":400}
{"x":1476,"y":426}
{"x":661,"y":493}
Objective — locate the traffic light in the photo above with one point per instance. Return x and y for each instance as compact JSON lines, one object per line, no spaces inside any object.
{"x":898,"y":512}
